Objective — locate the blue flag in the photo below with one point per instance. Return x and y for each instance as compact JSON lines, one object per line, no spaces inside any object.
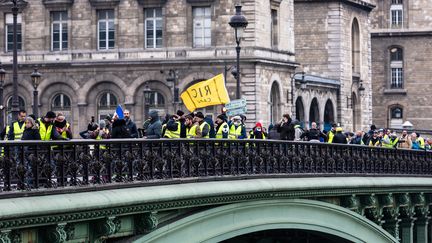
{"x":119,"y":112}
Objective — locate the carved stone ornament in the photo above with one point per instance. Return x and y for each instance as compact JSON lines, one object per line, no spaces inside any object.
{"x":146,"y":222}
{"x":104,"y":3}
{"x":200,"y":1}
{"x":6,"y":5}
{"x":108,"y":226}
{"x":352,"y":203}
{"x":60,"y":233}
{"x":9,"y":236}
{"x":58,"y":4}
{"x":153,"y":3}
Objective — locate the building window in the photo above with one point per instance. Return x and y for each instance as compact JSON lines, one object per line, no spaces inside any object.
{"x":59,"y":31}
{"x":157,"y":101}
{"x":9,"y":32}
{"x":396,"y":14}
{"x":202,"y":27}
{"x":106,"y":105}
{"x":396,"y":113}
{"x":274,"y":28}
{"x":153,"y":27}
{"x":396,"y":117}
{"x":21,"y":105}
{"x":61,"y":103}
{"x":106,"y":29}
{"x":355,"y":48}
{"x":396,"y":68}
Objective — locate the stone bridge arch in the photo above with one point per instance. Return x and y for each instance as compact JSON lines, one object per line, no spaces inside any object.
{"x":228,"y":221}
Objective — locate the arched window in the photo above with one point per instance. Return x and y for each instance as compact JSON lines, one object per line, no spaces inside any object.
{"x":355,"y":47}
{"x":314,"y":115}
{"x":61,"y":103}
{"x":157,"y":100}
{"x":396,"y":117}
{"x":275,"y":103}
{"x":396,"y":113}
{"x":396,"y":68}
{"x":106,"y":105}
{"x":300,"y":111}
{"x":396,"y":14}
{"x":328,"y":115}
{"x":21,"y":106}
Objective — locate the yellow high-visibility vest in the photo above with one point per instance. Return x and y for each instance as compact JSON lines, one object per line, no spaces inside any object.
{"x":64,"y":134}
{"x":18,"y":131}
{"x":191,"y":131}
{"x":202,"y":129}
{"x":45,"y":132}
{"x":173,"y":134}
{"x":234,"y":132}
{"x":222,"y":128}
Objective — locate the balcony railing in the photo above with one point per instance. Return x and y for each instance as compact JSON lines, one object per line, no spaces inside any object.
{"x":95,"y":164}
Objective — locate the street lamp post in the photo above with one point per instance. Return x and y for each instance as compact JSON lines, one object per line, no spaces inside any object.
{"x":147,"y":95}
{"x":173,"y":77}
{"x":35,"y":77}
{"x":2,"y":79}
{"x":15,"y":102}
{"x":239,"y":23}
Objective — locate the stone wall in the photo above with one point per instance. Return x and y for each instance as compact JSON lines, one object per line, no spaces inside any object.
{"x":323,"y":47}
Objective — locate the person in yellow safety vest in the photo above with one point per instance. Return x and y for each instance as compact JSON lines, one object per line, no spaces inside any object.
{"x":203,"y":125}
{"x":375,"y":140}
{"x":420,"y":140}
{"x":390,"y":140}
{"x":62,"y":126}
{"x":222,"y":129}
{"x":191,"y":128}
{"x":101,"y":133}
{"x":17,"y":127}
{"x":173,"y":127}
{"x":237,"y":129}
{"x":5,"y":133}
{"x":257,"y":132}
{"x":46,"y":128}
{"x":331,"y":133}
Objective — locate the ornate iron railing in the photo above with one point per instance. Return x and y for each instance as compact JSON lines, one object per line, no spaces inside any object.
{"x":77,"y":164}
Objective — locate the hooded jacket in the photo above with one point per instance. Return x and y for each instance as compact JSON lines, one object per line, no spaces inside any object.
{"x":154,"y":129}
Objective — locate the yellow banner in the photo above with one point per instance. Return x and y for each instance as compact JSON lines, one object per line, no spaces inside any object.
{"x":206,"y":93}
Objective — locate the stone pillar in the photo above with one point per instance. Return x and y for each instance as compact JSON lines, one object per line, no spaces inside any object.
{"x":407,"y":235}
{"x":421,"y":227}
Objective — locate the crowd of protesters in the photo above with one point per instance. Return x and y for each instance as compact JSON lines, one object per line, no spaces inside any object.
{"x":195,"y":125}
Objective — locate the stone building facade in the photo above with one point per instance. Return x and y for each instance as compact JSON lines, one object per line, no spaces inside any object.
{"x":401,"y":61}
{"x":332,"y":42}
{"x":95,"y":54}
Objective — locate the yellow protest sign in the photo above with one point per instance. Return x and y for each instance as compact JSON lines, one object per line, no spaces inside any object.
{"x":206,"y":93}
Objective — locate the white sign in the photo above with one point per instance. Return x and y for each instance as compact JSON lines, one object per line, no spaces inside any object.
{"x":237,"y":111}
{"x":236,"y":104}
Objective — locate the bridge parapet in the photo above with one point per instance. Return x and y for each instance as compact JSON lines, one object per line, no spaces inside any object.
{"x":75,"y":165}
{"x":77,"y":190}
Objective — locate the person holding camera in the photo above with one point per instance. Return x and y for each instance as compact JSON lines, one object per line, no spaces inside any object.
{"x":90,"y":128}
{"x":174,"y":127}
{"x":404,"y":140}
{"x":285,"y":128}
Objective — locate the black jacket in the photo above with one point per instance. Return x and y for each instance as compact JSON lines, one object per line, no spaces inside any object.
{"x":313,"y":134}
{"x":119,"y":129}
{"x":340,"y":138}
{"x":31,"y":134}
{"x":286,"y":130}
{"x":132,"y":128}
